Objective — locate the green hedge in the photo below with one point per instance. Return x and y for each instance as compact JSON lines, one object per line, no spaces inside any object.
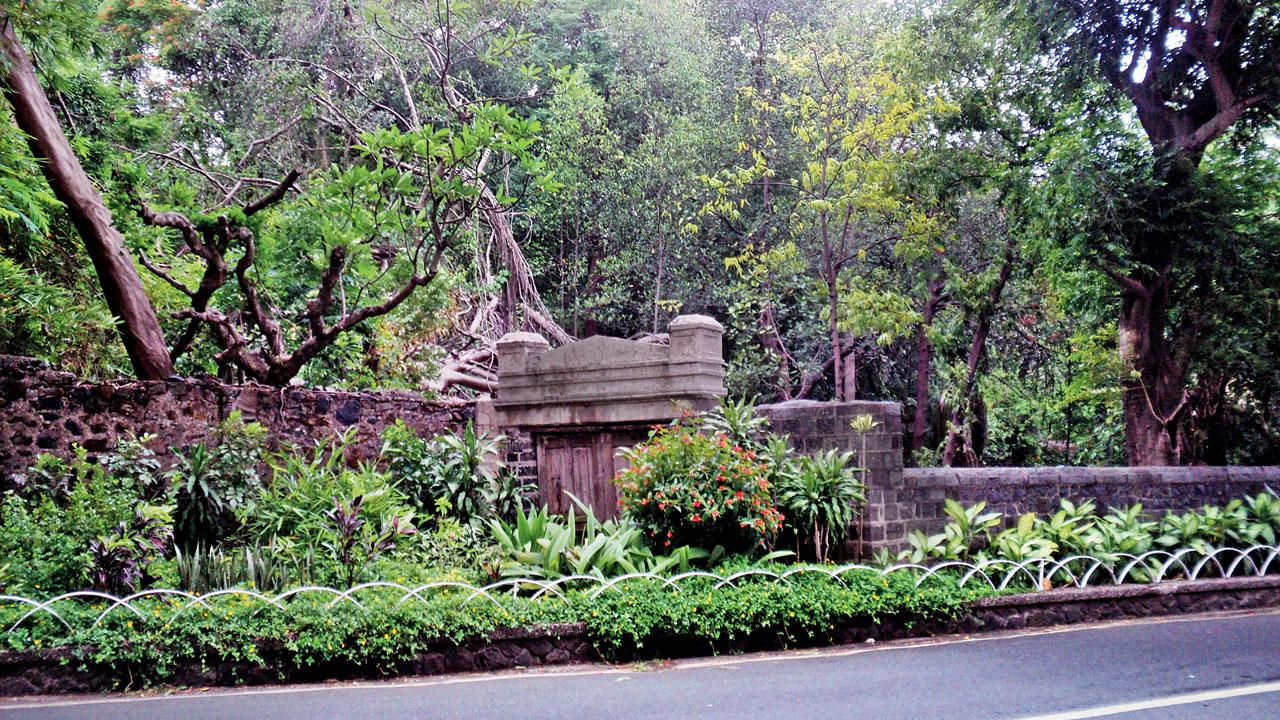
{"x":384,"y":632}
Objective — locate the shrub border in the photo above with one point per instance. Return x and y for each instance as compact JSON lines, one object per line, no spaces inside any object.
{"x":58,"y":671}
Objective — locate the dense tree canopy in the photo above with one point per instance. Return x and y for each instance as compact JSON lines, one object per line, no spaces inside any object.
{"x":1048,"y":228}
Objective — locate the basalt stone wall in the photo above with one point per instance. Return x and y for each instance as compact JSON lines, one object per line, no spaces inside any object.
{"x":44,"y":410}
{"x":900,"y":500}
{"x":917,"y":502}
{"x":813,"y":426}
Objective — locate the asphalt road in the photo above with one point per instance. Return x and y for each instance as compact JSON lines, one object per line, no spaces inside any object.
{"x":1207,"y":667}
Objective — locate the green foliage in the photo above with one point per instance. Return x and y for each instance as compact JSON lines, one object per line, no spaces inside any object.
{"x":686,"y":487}
{"x":215,"y":481}
{"x":118,"y":562}
{"x":202,"y":569}
{"x":458,"y":476}
{"x":822,"y":498}
{"x":539,"y":545}
{"x":1075,"y":529}
{"x":382,"y":632}
{"x":647,"y":620}
{"x":46,"y":536}
{"x":354,"y":543}
{"x":290,"y":515}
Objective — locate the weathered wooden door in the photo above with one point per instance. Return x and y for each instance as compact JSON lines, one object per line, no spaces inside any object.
{"x":584,"y":464}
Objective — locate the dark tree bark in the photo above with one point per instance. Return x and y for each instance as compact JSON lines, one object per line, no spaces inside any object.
{"x":924,"y":362}
{"x":977,"y":350}
{"x":121,"y":286}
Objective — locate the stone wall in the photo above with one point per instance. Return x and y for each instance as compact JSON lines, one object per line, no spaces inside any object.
{"x":44,"y":410}
{"x":917,"y":502}
{"x":814,"y":426}
{"x":902,"y":500}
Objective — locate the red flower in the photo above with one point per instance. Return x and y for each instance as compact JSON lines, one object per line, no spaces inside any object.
{"x":696,"y":518}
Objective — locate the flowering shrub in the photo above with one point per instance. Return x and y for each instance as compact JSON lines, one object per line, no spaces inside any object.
{"x":687,"y":487}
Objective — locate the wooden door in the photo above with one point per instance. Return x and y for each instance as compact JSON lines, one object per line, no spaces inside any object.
{"x":584,"y":464}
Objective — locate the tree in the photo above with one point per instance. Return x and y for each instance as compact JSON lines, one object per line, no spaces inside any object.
{"x":122,"y":288}
{"x":1193,"y":70}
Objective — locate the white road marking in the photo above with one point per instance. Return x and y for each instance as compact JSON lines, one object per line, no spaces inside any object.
{"x":1164,"y":702}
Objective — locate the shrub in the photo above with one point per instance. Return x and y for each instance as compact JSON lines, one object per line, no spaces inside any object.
{"x":46,"y":540}
{"x":118,"y":562}
{"x":214,"y":481}
{"x":382,"y":633}
{"x":295,"y":512}
{"x":454,"y":474}
{"x":648,"y":618}
{"x":685,"y":487}
{"x":540,"y":545}
{"x":204,"y":569}
{"x":354,"y":543}
{"x":822,"y":497}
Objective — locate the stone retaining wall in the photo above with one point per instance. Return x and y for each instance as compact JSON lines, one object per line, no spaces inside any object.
{"x":815,"y":426}
{"x":916,"y":503}
{"x":900,"y":500}
{"x":44,"y":410}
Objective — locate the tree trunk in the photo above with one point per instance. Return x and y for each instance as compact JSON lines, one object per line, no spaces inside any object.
{"x":977,"y":349}
{"x":924,"y":363}
{"x":1152,"y":390}
{"x":850,"y":372}
{"x":833,"y":306}
{"x":657,"y":282}
{"x":135,"y":317}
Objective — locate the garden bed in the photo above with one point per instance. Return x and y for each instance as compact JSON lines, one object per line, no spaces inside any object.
{"x":80,"y":669}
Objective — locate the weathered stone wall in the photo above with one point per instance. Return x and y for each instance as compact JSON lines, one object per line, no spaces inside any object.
{"x":902,"y":500}
{"x":813,"y":426}
{"x":44,"y":410}
{"x":917,"y":502}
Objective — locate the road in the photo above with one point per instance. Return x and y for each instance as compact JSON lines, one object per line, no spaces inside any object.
{"x":1202,"y":667}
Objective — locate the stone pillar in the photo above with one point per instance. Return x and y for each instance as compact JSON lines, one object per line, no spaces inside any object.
{"x":813,"y":426}
{"x":696,"y":337}
{"x":515,"y":349}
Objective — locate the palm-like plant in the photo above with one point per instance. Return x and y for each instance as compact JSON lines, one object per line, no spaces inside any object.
{"x":736,"y":420}
{"x":541,"y":545}
{"x":822,"y":498}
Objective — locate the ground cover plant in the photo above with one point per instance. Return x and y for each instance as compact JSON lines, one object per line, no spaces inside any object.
{"x":384,"y":632}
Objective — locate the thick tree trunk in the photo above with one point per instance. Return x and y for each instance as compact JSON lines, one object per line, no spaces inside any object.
{"x":1153,"y":396}
{"x":135,"y":317}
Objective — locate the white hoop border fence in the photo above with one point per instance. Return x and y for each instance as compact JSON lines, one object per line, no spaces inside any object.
{"x":1079,"y":571}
